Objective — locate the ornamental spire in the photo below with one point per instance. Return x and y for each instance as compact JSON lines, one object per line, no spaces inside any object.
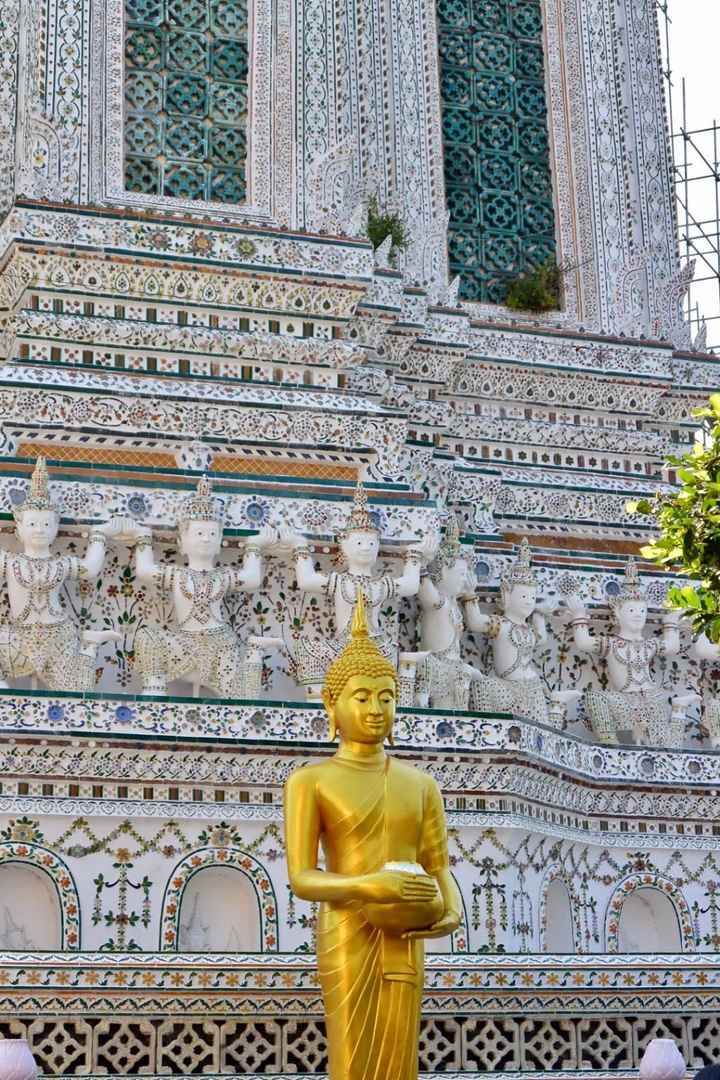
{"x":359,"y":519}
{"x":38,"y":497}
{"x":202,"y":506}
{"x":520,"y":572}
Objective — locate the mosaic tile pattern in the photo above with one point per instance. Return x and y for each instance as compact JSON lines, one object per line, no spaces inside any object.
{"x":497,"y":169}
{"x":186,"y":96}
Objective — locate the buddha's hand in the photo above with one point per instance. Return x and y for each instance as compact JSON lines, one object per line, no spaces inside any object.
{"x":396,"y":887}
{"x":446,"y":925}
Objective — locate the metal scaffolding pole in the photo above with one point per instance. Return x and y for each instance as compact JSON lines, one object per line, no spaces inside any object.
{"x":696,"y":174}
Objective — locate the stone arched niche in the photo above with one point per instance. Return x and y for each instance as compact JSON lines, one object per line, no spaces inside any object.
{"x":219,"y":913}
{"x":30,"y":916}
{"x":558,"y":933}
{"x":648,"y":923}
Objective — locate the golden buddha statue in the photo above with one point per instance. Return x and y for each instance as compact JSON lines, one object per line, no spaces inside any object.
{"x":386,"y":883}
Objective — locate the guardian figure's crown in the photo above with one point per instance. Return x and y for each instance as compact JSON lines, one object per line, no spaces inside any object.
{"x":450,"y":549}
{"x":359,"y":518}
{"x":520,"y":572}
{"x":631,"y":588}
{"x":38,"y":497}
{"x":202,"y":506}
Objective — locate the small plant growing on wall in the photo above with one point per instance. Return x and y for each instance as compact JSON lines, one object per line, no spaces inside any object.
{"x":537,"y":289}
{"x":689,"y":521}
{"x":382,"y":223}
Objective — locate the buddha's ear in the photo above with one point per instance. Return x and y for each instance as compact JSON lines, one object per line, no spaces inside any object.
{"x":390,"y":738}
{"x":330,"y":710}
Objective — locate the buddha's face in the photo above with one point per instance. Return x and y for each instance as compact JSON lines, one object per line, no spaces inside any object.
{"x":365,"y":710}
{"x":37,"y":528}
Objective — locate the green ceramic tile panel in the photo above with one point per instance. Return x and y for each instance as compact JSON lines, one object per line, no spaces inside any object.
{"x":497,"y":166}
{"x":186,"y":97}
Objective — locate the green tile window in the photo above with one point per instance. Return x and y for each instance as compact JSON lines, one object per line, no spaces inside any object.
{"x":494,"y":120}
{"x":186,"y":98}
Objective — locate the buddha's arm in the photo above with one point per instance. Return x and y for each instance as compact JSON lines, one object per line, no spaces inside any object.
{"x":302,"y":837}
{"x":434,"y":859}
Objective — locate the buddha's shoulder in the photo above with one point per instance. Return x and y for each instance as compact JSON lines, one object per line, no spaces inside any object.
{"x":412,"y":774}
{"x":308,"y":776}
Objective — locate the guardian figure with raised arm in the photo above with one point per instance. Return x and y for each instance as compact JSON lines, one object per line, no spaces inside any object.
{"x":359,"y":544}
{"x":634,"y":702}
{"x":203,"y":648}
{"x":515,"y":685}
{"x":41,"y":640}
{"x":442,"y":624}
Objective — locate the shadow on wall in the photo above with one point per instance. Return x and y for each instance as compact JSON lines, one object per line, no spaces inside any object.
{"x":558,"y":936}
{"x":649,"y":923}
{"x":29,"y":909}
{"x":219,"y":913}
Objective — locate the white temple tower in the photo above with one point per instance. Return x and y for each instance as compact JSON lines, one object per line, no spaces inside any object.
{"x":187,"y":287}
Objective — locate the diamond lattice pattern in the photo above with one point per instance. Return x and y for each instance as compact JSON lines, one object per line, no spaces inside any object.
{"x":497,"y":167}
{"x":186,"y":98}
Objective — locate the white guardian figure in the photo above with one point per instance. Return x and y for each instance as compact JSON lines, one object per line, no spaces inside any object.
{"x":203,"y":648}
{"x":515,"y":685}
{"x":447,"y":581}
{"x":633,"y":702}
{"x":41,"y":639}
{"x":359,"y":545}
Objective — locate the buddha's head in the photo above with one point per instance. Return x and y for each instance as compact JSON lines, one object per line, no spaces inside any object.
{"x":37,"y":519}
{"x":361,"y":687}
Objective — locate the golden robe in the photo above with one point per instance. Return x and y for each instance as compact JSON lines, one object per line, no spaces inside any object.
{"x":372,"y":982}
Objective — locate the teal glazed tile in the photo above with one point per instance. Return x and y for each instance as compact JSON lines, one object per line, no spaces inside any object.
{"x":497,"y":167}
{"x":186,"y":96}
